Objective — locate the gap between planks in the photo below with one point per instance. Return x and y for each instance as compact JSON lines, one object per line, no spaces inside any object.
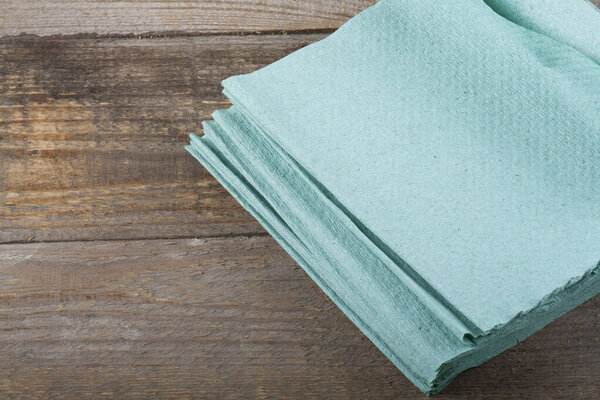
{"x":168,"y":34}
{"x":199,"y":237}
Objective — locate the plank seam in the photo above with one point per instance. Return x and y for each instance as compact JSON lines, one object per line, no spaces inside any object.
{"x":221,"y":236}
{"x":167,"y":34}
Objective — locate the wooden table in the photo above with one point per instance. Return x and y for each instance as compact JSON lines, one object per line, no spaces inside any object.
{"x":127,"y":271}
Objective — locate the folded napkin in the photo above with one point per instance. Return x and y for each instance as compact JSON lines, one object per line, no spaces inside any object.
{"x":434,"y":166}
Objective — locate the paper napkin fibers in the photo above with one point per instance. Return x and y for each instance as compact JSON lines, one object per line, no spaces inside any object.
{"x":434,"y":166}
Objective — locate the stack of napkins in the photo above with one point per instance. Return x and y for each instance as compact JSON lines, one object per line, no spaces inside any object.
{"x":434,"y":166}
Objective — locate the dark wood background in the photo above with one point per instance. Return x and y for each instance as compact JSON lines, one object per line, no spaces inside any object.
{"x":127,"y":271}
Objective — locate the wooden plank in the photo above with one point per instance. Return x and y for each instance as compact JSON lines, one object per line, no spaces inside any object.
{"x":118,"y":17}
{"x":92,"y":135}
{"x":56,"y":17}
{"x":228,"y":318}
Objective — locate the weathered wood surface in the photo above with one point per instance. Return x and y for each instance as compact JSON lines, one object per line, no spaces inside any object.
{"x":57,"y":17}
{"x":228,"y":318}
{"x":110,"y":17}
{"x":92,"y":134}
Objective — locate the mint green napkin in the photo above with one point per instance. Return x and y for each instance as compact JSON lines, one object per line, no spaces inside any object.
{"x":434,"y":166}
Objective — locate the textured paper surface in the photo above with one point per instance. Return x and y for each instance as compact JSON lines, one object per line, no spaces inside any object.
{"x":437,"y":156}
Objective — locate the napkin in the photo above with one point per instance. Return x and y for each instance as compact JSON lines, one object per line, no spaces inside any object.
{"x":434,"y":166}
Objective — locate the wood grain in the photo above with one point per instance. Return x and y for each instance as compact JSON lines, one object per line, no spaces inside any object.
{"x":92,"y":135}
{"x":118,"y":17}
{"x":56,"y":17}
{"x":228,"y":318}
